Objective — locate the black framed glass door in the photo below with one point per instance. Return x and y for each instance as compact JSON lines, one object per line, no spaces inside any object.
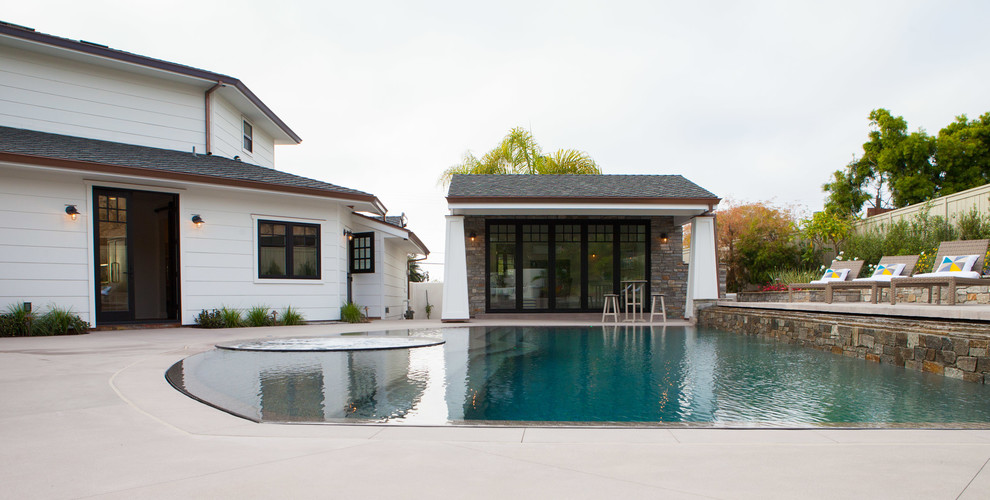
{"x":137,"y":255}
{"x":115,"y":290}
{"x":561,"y":265}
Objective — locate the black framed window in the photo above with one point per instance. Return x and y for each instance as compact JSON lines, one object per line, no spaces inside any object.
{"x":288,"y":250}
{"x":363,"y":253}
{"x":248,"y":137}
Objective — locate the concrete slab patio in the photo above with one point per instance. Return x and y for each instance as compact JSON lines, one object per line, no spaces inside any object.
{"x":92,"y":416}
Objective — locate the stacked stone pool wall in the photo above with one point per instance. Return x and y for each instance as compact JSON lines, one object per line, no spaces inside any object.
{"x":956,"y":349}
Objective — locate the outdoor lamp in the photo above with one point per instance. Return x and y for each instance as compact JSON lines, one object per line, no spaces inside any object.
{"x":196,"y":219}
{"x":472,"y":236}
{"x":72,"y":211}
{"x":663,"y":238}
{"x":350,"y":235}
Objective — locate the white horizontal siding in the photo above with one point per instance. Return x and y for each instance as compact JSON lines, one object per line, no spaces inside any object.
{"x":394,"y":268}
{"x":51,"y":94}
{"x":228,"y":138}
{"x":218,"y":260}
{"x":44,"y":255}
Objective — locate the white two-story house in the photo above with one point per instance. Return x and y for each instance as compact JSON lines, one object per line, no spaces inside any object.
{"x":135,"y":190}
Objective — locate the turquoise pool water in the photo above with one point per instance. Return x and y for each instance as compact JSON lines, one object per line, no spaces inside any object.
{"x":577,"y":374}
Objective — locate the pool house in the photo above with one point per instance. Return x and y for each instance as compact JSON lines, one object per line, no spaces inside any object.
{"x":560,"y":243}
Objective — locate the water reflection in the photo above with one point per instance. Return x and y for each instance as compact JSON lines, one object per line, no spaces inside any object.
{"x":620,"y":373}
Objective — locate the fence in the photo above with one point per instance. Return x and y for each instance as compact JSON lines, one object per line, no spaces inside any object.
{"x":950,"y":206}
{"x":418,"y":293}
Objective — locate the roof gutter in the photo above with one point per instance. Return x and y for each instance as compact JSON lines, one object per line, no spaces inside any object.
{"x":209,"y":114}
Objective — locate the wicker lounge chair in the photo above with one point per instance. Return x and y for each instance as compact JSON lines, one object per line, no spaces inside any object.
{"x":935,"y":283}
{"x":875,"y":287}
{"x":853,"y":266}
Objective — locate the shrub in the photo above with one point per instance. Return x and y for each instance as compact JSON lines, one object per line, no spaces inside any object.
{"x":973,"y":226}
{"x":787,"y":276}
{"x":210,"y":319}
{"x":231,"y":317}
{"x":17,"y":321}
{"x":754,"y":239}
{"x":351,"y":313}
{"x":260,"y":316}
{"x":58,"y":321}
{"x":291,"y":317}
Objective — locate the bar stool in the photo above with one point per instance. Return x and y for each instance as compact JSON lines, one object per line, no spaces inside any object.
{"x":611,"y":299}
{"x":653,"y":306}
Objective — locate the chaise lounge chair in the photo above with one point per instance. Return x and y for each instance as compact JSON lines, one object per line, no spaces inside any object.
{"x":835,"y":272}
{"x":953,"y":272}
{"x":889,"y":268}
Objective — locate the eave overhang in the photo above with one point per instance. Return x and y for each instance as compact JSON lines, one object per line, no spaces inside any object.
{"x":372,"y":203}
{"x":395,"y":232}
{"x":681,"y":209}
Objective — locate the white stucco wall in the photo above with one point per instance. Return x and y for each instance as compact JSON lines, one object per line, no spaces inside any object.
{"x":420,"y":293}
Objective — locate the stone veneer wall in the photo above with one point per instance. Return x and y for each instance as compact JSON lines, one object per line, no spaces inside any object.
{"x":950,"y":348}
{"x":972,"y":294}
{"x":667,"y":268}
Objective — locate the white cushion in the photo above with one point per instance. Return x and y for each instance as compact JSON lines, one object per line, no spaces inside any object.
{"x":881,"y":277}
{"x":958,"y":274}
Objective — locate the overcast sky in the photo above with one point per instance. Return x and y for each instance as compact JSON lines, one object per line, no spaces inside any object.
{"x":750,"y":100}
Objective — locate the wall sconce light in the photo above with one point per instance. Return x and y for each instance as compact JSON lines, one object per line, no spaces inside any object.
{"x":350,"y":235}
{"x":196,"y":219}
{"x":72,"y":211}
{"x":473,"y":236}
{"x":663,"y":238}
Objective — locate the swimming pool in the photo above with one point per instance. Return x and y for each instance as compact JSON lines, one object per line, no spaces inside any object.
{"x":603,"y":375}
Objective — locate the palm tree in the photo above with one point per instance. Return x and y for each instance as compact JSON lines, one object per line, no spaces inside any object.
{"x":518,"y":153}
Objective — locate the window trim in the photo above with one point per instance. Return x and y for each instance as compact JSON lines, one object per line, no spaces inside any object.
{"x":246,"y":138}
{"x":371,"y":248}
{"x":288,"y":277}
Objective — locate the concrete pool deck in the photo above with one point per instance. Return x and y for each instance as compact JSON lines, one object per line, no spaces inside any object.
{"x":92,"y":416}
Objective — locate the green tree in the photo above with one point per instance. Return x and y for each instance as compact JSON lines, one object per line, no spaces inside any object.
{"x":827,"y":227}
{"x":963,"y":154}
{"x":518,"y":153}
{"x":846,"y":194}
{"x":912,"y":167}
{"x":754,"y":240}
{"x":416,"y":273}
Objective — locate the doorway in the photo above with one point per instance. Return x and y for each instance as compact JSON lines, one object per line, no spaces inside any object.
{"x":137,"y":255}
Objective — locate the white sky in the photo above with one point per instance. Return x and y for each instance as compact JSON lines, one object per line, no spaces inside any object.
{"x":750,"y":100}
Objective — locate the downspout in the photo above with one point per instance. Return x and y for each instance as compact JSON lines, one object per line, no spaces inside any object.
{"x":209,"y":113}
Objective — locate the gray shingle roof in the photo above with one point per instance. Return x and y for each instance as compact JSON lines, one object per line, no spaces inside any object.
{"x":165,"y":161}
{"x":575,"y":186}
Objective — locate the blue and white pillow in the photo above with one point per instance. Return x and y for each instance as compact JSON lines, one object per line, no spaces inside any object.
{"x":888,"y":270}
{"x":956,"y":263}
{"x":833,"y":275}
